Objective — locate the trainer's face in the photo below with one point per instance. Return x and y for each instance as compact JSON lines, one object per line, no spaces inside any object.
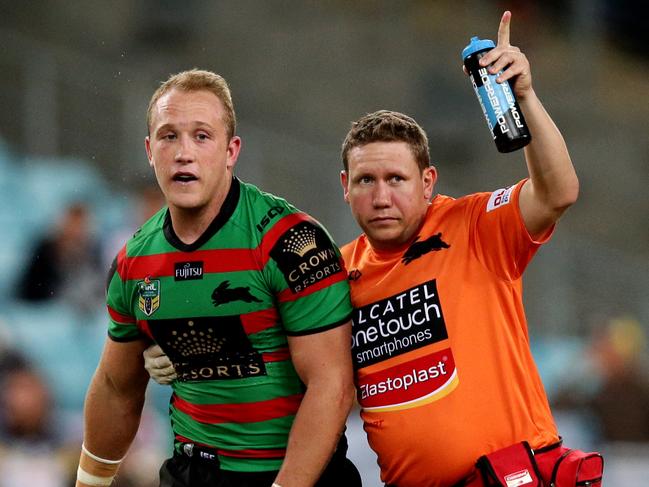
{"x":387,"y":192}
{"x":189,"y":150}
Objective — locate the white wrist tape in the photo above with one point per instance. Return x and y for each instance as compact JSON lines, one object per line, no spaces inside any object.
{"x":93,"y":480}
{"x":275,"y":485}
{"x":99,"y":459}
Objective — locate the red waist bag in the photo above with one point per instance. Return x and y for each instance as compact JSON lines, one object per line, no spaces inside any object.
{"x":512,"y":466}
{"x":553,"y":466}
{"x":576,"y":468}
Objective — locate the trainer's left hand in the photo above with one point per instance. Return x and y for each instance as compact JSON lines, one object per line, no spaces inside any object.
{"x":513,"y":63}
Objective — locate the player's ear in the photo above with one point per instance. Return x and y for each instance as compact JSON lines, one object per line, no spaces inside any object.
{"x":234,"y":147}
{"x":147,"y":147}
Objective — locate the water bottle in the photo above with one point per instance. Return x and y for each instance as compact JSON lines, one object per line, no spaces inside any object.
{"x":497,"y":100}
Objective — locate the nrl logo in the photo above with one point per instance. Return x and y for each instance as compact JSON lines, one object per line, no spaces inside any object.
{"x":149,"y":299}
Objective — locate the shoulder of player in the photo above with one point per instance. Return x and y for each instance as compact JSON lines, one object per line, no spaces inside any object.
{"x":139,"y":242}
{"x":261,"y":198}
{"x":153,"y":226}
{"x":272,"y":210}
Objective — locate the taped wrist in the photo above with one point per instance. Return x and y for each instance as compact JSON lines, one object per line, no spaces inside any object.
{"x":95,"y":471}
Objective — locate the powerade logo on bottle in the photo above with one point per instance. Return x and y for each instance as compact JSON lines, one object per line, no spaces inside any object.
{"x":496,"y":100}
{"x":503,"y":115}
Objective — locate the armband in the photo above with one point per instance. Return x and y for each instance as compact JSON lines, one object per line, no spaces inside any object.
{"x":95,"y":471}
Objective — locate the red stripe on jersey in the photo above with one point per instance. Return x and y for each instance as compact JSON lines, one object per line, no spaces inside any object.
{"x":287,"y":295}
{"x":246,"y":453}
{"x":143,"y":325}
{"x":246,"y":412}
{"x":118,"y":317}
{"x":270,"y":238}
{"x":121,"y":263}
{"x":217,"y":260}
{"x":259,"y":320}
{"x":277,"y":355}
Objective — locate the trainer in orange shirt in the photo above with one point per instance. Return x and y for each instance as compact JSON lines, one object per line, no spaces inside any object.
{"x":443,"y":366}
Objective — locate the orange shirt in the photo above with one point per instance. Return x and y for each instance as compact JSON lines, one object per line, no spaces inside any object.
{"x":440,"y":344}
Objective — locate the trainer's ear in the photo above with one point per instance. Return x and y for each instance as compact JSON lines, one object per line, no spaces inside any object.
{"x":429,"y":178}
{"x":344,"y":180}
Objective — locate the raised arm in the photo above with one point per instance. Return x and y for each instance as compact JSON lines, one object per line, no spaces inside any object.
{"x":112,"y":410}
{"x":323,"y":362}
{"x":553,"y":185}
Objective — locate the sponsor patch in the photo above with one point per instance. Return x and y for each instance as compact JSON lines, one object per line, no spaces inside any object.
{"x":398,"y":324}
{"x":500,"y":197}
{"x":208,"y":348}
{"x":306,"y":256}
{"x":515,"y":479}
{"x":188,"y":271}
{"x":411,"y":384}
{"x":149,"y":295}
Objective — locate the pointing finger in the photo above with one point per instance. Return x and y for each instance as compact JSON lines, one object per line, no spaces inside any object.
{"x":503,"y":29}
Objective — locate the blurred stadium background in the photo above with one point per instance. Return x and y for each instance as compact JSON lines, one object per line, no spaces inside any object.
{"x":76,"y":77}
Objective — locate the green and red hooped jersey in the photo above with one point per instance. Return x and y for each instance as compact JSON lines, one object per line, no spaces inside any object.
{"x":222,"y":308}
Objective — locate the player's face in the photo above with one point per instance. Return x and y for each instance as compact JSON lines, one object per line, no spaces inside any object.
{"x":387,"y":192}
{"x":189,"y":150}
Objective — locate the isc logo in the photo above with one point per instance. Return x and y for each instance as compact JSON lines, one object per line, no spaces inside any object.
{"x":272,"y":213}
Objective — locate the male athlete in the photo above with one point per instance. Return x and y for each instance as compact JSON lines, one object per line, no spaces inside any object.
{"x":248,"y":298}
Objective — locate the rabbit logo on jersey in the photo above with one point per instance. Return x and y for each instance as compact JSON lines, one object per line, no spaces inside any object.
{"x":392,"y":327}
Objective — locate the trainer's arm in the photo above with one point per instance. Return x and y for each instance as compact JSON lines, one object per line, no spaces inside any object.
{"x":553,"y":185}
{"x":114,"y":404}
{"x":323,"y":362}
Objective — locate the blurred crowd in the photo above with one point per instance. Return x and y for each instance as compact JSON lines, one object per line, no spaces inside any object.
{"x":52,"y":329}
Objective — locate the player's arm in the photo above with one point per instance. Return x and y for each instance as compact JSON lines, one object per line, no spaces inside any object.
{"x":323,"y":362}
{"x":112,"y":411}
{"x":553,"y":185}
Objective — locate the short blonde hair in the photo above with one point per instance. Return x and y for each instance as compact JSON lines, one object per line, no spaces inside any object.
{"x":197,"y":80}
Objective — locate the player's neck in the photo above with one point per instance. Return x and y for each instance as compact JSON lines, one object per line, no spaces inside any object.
{"x":189,"y":224}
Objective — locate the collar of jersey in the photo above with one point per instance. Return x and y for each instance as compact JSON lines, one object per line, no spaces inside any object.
{"x":227,"y":208}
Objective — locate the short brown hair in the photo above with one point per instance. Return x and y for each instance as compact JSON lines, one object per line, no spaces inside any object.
{"x":387,"y":126}
{"x":197,"y":80}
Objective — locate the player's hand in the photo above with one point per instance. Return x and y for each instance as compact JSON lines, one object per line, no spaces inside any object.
{"x":509,"y":59}
{"x":158,"y":365}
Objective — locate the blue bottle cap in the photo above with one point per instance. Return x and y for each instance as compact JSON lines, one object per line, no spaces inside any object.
{"x":476,"y":45}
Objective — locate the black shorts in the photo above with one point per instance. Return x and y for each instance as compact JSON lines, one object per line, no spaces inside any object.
{"x":194,"y":471}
